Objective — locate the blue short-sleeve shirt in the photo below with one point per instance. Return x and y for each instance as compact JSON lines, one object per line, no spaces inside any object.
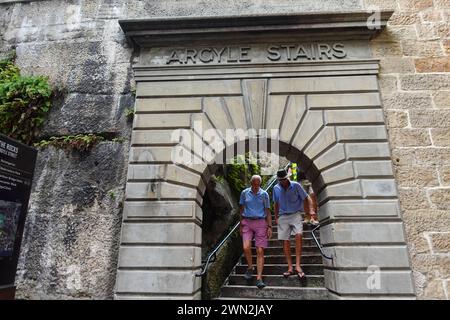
{"x":291,"y":199}
{"x":254,"y":204}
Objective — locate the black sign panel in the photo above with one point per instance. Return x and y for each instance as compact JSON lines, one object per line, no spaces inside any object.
{"x":17,"y":162}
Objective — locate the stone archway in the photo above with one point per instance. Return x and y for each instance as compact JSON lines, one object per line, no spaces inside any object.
{"x":329,"y":116}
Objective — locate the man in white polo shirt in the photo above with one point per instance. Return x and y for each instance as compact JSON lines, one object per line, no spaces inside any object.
{"x":288,"y":197}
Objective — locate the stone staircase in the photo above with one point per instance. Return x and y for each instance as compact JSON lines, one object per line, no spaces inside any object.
{"x":311,"y":287}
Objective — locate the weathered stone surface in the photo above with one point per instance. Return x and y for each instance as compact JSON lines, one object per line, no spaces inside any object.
{"x":361,"y":209}
{"x":74,"y":197}
{"x":415,"y":4}
{"x":162,"y":209}
{"x":367,"y":150}
{"x":422,"y":48}
{"x":386,"y":49}
{"x":444,"y":173}
{"x":388,"y":84}
{"x":220,"y":211}
{"x":348,"y":282}
{"x":440,"y":198}
{"x":341,"y":172}
{"x":425,"y":82}
{"x":295,"y":109}
{"x":168,"y":105}
{"x":361,"y":133}
{"x":324,"y":139}
{"x":404,"y":18}
{"x":440,"y":242}
{"x":409,"y":137}
{"x":368,"y":232}
{"x":428,"y":65}
{"x":380,"y":4}
{"x":424,"y":220}
{"x":396,"y":65}
{"x":435,"y":290}
{"x":362,"y":256}
{"x":334,"y":155}
{"x":140,"y":281}
{"x":430,"y":119}
{"x":441,"y":137}
{"x":430,"y":15}
{"x":427,"y":32}
{"x":416,"y":176}
{"x":373,"y":168}
{"x":345,"y":189}
{"x":160,"y":256}
{"x":76,"y":114}
{"x":191,"y":88}
{"x":396,"y":119}
{"x":353,"y":83}
{"x":420,"y":156}
{"x":159,"y":121}
{"x":183,"y":233}
{"x":413,"y":198}
{"x":379,"y":188}
{"x":397,"y":33}
{"x":407,"y":100}
{"x":348,"y":100}
{"x":354,"y":116}
{"x":441,"y":99}
{"x":312,"y":123}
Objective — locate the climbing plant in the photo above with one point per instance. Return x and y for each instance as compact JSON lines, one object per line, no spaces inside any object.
{"x":240,"y":170}
{"x":24,"y":102}
{"x":79,"y":142}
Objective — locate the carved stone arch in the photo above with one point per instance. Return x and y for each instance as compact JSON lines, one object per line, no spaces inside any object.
{"x":329,"y":117}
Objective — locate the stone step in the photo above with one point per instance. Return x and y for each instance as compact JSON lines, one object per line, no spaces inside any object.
{"x":278,"y":269}
{"x":269,"y":292}
{"x":281,"y":259}
{"x":278,"y":243}
{"x":280,"y":281}
{"x":306,"y":227}
{"x":306,"y":234}
{"x":279,"y":250}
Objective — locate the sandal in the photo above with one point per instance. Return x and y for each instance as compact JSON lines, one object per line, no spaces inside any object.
{"x":300,"y":274}
{"x":288,"y":273}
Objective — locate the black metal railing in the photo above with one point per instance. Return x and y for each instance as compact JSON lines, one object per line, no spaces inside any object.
{"x":212,"y":256}
{"x":318,"y":244}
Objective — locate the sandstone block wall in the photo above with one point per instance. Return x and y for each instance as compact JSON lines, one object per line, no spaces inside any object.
{"x":415,"y":87}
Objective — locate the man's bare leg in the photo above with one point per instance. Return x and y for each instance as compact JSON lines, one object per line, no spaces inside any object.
{"x":287,"y":253}
{"x":248,"y":253}
{"x":298,"y":252}
{"x":259,"y":262}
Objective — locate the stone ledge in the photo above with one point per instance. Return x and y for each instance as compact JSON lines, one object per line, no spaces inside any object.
{"x":255,"y":28}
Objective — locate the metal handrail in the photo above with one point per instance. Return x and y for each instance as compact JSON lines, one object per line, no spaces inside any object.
{"x":213,"y":253}
{"x":318,"y":244}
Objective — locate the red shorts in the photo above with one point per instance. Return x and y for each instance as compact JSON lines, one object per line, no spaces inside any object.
{"x":255,"y":229}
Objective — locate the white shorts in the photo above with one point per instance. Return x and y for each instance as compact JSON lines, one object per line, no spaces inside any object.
{"x":290,"y":224}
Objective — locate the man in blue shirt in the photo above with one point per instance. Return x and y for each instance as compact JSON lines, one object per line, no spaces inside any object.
{"x":288,"y":197}
{"x":256,"y":223}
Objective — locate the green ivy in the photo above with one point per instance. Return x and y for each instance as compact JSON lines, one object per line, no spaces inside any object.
{"x":129,"y":113}
{"x":24,"y":102}
{"x":79,"y":142}
{"x":239,"y":172}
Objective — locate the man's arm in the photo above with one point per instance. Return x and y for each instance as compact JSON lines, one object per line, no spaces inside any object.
{"x":312,"y":211}
{"x":276,"y":211}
